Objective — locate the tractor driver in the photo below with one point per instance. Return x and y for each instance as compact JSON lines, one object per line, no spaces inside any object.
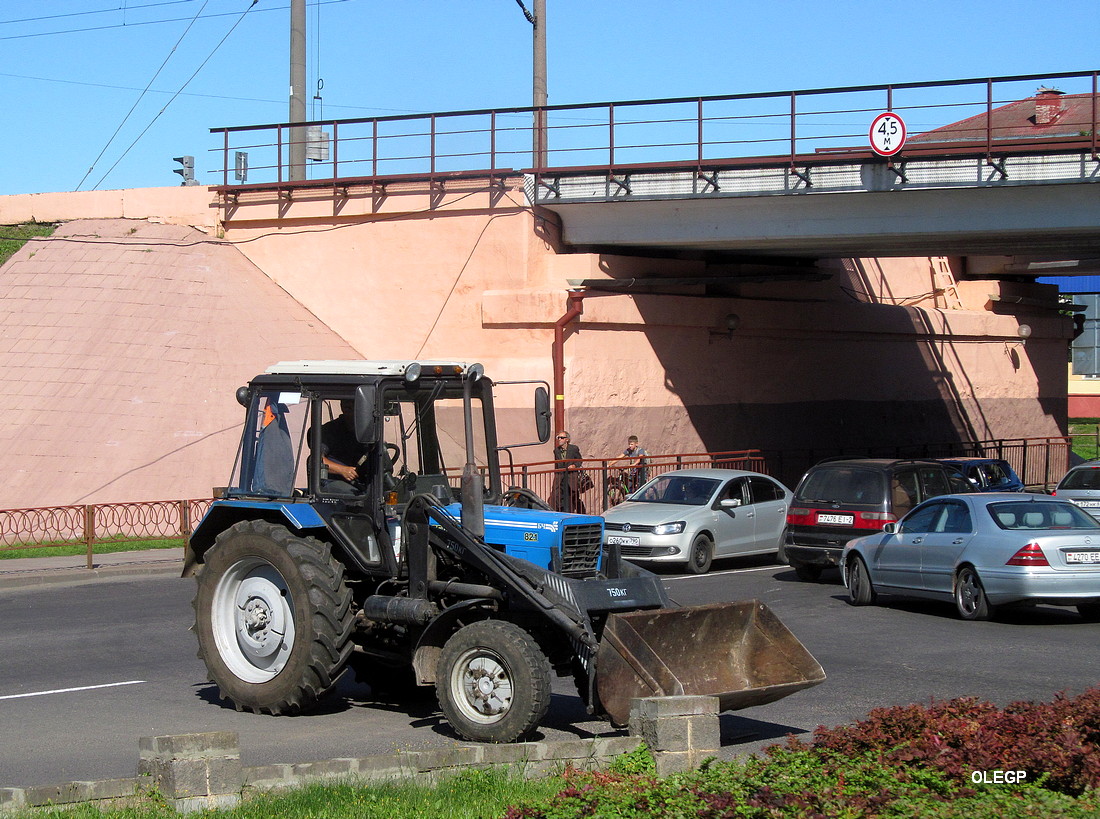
{"x":342,"y":453}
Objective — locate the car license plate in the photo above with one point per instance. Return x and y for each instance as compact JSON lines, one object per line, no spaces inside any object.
{"x":841,"y":520}
{"x":1088,"y":504}
{"x":1082,"y":557}
{"x":623,"y":540}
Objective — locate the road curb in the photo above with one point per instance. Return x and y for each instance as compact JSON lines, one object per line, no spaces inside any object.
{"x":38,"y":577}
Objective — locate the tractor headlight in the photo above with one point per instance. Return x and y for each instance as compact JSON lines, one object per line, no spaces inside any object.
{"x":669,"y":528}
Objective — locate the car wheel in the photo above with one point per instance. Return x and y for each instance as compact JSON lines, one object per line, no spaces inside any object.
{"x":1090,"y":612}
{"x":970,"y":597}
{"x":493,"y":682}
{"x":860,"y":590}
{"x":273,"y":617}
{"x":701,"y":555}
{"x":806,"y":571}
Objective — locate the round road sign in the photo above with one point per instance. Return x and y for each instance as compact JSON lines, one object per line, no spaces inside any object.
{"x":887,"y":134}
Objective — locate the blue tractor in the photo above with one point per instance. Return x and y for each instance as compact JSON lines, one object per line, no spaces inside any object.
{"x":365,"y":527}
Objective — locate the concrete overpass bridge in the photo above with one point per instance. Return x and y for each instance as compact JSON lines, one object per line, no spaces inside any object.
{"x":1001,"y":166}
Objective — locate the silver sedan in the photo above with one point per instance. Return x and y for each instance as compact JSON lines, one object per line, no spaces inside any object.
{"x":982,"y":551}
{"x":694,"y":515}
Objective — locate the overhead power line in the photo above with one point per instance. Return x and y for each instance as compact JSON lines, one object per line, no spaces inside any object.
{"x":39,"y":18}
{"x":152,"y":22}
{"x":144,"y":91}
{"x":280,"y":102}
{"x":209,"y":56}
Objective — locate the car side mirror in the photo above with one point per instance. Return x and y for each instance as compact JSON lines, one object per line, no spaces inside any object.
{"x":891,"y":528}
{"x":729,"y":503}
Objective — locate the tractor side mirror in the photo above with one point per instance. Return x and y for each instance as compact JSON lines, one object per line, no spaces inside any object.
{"x":366,"y":426}
{"x":244,"y":397}
{"x":542,"y":414}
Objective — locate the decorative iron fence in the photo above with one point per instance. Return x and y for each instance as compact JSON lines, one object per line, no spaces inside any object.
{"x":1040,"y":462}
{"x":92,"y":524}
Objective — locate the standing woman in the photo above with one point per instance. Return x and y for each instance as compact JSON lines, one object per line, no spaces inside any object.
{"x":564,"y":495}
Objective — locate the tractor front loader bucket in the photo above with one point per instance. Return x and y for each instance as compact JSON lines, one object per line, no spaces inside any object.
{"x":738,"y":652}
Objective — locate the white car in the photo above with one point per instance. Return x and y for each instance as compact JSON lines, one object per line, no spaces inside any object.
{"x":695,"y":515}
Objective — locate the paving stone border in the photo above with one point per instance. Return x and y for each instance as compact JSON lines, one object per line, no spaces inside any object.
{"x":197,"y":771}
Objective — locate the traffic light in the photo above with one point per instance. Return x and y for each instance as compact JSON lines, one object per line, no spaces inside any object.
{"x":187,"y":171}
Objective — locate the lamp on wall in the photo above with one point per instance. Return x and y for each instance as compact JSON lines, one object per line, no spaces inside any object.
{"x":1023,"y":333}
{"x":727,"y":327}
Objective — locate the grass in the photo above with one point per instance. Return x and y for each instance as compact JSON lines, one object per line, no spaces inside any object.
{"x":783,"y":784}
{"x":1084,"y":438}
{"x":13,"y":237}
{"x":78,"y":548}
{"x":472,"y":794}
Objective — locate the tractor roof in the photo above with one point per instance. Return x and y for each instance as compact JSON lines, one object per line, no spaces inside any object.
{"x":366,"y":367}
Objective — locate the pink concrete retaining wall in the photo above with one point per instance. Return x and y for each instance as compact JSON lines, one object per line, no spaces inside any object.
{"x":875,"y":354}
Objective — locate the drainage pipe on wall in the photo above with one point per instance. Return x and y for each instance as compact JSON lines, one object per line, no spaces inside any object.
{"x":575,"y":309}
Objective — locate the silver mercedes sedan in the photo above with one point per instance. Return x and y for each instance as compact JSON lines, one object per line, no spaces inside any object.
{"x":692,"y":516}
{"x":982,"y":551}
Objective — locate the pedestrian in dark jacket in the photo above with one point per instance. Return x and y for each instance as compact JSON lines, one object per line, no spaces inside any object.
{"x":565,"y":494}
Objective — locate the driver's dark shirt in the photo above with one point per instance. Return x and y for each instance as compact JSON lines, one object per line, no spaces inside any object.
{"x":339,"y":444}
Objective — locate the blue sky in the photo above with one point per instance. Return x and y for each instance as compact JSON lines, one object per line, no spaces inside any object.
{"x":72,"y":70}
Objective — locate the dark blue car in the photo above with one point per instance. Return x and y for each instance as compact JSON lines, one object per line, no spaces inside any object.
{"x":987,"y":474}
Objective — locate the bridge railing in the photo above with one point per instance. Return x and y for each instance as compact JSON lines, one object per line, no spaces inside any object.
{"x":788,"y":128}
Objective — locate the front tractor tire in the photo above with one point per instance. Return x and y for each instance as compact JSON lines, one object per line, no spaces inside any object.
{"x":273,"y":617}
{"x":493,"y":682}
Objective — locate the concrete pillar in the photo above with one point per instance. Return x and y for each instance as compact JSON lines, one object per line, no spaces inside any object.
{"x":194,"y":771}
{"x":680,"y":731}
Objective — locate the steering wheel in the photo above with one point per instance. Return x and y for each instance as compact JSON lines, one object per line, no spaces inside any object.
{"x":390,"y":457}
{"x":523,"y":498}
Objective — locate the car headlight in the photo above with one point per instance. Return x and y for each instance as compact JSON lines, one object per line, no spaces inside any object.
{"x":669,"y":528}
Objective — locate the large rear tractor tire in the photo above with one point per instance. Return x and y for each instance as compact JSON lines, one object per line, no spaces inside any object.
{"x":493,"y":682}
{"x":273,"y":617}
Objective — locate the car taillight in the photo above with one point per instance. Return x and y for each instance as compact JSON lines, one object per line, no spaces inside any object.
{"x":873,"y":520}
{"x":797,"y":515}
{"x":1029,"y":555}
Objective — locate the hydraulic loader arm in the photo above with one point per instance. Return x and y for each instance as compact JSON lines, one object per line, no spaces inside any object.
{"x":427,"y":526}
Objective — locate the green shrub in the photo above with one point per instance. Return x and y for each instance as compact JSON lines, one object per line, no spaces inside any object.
{"x":1057,"y":743}
{"x":936,"y":761}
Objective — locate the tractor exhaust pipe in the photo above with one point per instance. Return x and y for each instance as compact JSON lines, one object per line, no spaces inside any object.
{"x":473,"y":493}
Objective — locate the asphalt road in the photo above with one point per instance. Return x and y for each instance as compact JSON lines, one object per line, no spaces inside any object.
{"x":130,"y":637}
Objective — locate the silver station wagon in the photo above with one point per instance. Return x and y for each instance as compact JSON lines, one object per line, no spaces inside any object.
{"x":982,"y":551}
